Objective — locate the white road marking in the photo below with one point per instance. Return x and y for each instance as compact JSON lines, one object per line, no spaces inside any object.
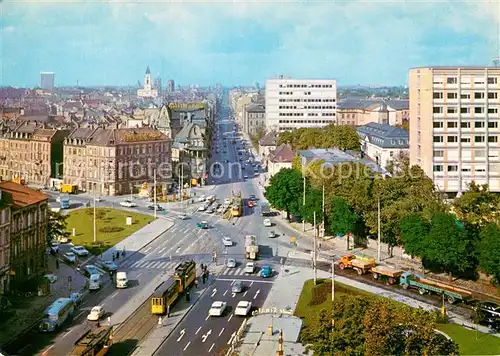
{"x":183,"y":331}
{"x":246,"y":280}
{"x":76,"y":317}
{"x":234,"y":295}
{"x":214,"y":292}
{"x":67,"y":334}
{"x":251,"y":283}
{"x":245,"y":293}
{"x":187,"y":345}
{"x":208,"y":316}
{"x":224,"y":293}
{"x":211,"y":347}
{"x":163,"y":249}
{"x":178,"y":250}
{"x":230,"y":317}
{"x":114,"y":295}
{"x":197,"y":331}
{"x":256,"y":294}
{"x":204,"y":337}
{"x":45,"y":352}
{"x":138,"y":275}
{"x":154,"y":264}
{"x":231,"y":338}
{"x":148,"y":249}
{"x":221,"y":332}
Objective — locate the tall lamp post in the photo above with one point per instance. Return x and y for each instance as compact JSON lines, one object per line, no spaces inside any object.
{"x":154,"y":190}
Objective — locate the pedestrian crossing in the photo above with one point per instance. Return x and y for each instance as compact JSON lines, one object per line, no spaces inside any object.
{"x":148,"y":264}
{"x":227,"y":271}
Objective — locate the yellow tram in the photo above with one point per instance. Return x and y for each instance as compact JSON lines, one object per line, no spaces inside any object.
{"x":169,"y":291}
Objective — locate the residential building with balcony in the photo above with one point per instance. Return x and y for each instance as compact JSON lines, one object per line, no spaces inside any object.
{"x":26,"y":232}
{"x":296,"y":103}
{"x":454,"y":125}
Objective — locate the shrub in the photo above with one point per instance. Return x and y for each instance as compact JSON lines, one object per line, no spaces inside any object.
{"x":320,"y":293}
{"x":108,"y":229}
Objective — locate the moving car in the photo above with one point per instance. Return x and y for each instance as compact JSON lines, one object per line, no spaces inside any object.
{"x":121,"y":280}
{"x":69,"y":257}
{"x":183,"y":217}
{"x":227,"y":201}
{"x":158,"y":207}
{"x":231,"y":263}
{"x":96,"y":313}
{"x":217,"y":308}
{"x":128,"y":204}
{"x":76,"y":297}
{"x":202,"y":225}
{"x":202,"y":207}
{"x":109,"y":265}
{"x":250,"y":267}
{"x":210,"y":210}
{"x":243,"y":308}
{"x":226,"y":241}
{"x":90,"y":270}
{"x":252,"y":197}
{"x":266,"y":271}
{"x":267,"y":223}
{"x":271,"y":234}
{"x":237,"y":287}
{"x":80,"y":251}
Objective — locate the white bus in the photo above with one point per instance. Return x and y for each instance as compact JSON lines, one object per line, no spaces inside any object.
{"x":56,"y":314}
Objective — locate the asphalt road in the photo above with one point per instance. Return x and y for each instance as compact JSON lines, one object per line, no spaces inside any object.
{"x":199,"y":334}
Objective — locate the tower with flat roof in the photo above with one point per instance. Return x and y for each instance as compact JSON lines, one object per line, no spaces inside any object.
{"x":47,"y":80}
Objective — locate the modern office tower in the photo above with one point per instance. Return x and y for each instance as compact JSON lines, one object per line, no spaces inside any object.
{"x":46,"y":80}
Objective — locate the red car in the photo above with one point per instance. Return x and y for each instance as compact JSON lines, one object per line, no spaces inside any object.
{"x":251,"y":204}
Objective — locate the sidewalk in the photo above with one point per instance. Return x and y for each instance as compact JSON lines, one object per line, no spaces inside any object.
{"x":154,"y":340}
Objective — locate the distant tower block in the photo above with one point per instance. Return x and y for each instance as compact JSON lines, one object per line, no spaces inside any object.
{"x":171,"y":85}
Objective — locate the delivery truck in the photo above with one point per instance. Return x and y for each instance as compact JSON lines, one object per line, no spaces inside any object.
{"x":251,"y":247}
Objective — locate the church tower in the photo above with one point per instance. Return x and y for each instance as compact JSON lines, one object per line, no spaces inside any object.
{"x":147,"y":79}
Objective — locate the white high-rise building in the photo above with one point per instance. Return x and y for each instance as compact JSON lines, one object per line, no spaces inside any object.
{"x":46,"y":80}
{"x":147,"y":91}
{"x":296,"y":103}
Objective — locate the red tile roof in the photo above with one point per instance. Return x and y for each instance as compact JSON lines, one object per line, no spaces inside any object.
{"x":19,"y":195}
{"x":284,"y":153}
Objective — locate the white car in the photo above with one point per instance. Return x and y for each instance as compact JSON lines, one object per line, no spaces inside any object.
{"x":226,"y":241}
{"x":267,"y":223}
{"x":250,"y":267}
{"x":62,"y":240}
{"x":70,"y":257}
{"x":227,"y":201}
{"x":96,"y":313}
{"x":221,"y":209}
{"x":243,"y":308}
{"x":201,"y":199}
{"x":128,"y":204}
{"x":79,"y":251}
{"x":217,"y":308}
{"x":202,"y":208}
{"x":210,"y":210}
{"x":51,"y":277}
{"x":231,"y":263}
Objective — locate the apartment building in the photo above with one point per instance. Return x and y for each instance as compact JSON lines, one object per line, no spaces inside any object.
{"x":254,"y":118}
{"x":454,"y":127}
{"x":116,"y":161}
{"x":357,"y":112}
{"x":295,"y":103}
{"x":24,"y":230}
{"x":32,"y":152}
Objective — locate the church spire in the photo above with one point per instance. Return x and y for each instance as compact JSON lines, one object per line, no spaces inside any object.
{"x":147,"y":70}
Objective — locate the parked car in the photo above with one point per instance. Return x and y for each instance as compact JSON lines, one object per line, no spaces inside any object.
{"x":250,"y":267}
{"x":202,"y":207}
{"x":158,"y":207}
{"x":70,"y":257}
{"x":79,"y":251}
{"x":128,"y":204}
{"x":267,"y":223}
{"x":227,"y":201}
{"x":226,"y":241}
{"x":266,"y":271}
{"x":51,"y":277}
{"x":76,"y":297}
{"x":252,"y":197}
{"x":243,"y":308}
{"x":90,"y":270}
{"x":183,"y":217}
{"x":96,"y":313}
{"x":231,"y":263}
{"x":271,"y":234}
{"x":202,"y":225}
{"x":210,"y":210}
{"x":237,"y":287}
{"x":217,"y":308}
{"x":109,"y":265}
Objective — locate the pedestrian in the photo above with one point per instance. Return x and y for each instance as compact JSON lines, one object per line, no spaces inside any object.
{"x":196,"y":283}
{"x":114,"y":258}
{"x":201,"y":266}
{"x":123,"y":252}
{"x":203,"y":278}
{"x":188,"y":296}
{"x":57,"y":264}
{"x":117,"y":255}
{"x":98,"y":323}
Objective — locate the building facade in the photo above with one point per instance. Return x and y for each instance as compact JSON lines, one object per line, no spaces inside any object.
{"x":5,"y":212}
{"x":454,"y":127}
{"x":47,"y":80}
{"x":116,"y":161}
{"x":148,"y":91}
{"x":254,"y":118}
{"x":27,"y":235}
{"x":382,"y":142}
{"x":171,"y":86}
{"x":295,"y":103}
{"x":361,"y":112}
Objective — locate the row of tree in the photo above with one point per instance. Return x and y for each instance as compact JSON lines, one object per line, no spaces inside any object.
{"x":375,"y":326}
{"x":340,"y":136}
{"x":456,"y":238}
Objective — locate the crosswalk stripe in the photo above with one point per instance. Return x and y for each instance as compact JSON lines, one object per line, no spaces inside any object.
{"x":137,"y":264}
{"x":147,"y":264}
{"x":154,"y":264}
{"x":162,"y":264}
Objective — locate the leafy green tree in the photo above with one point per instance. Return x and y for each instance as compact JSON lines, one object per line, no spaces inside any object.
{"x":314,"y":203}
{"x":285,"y":187}
{"x":489,"y":251}
{"x":414,"y":231}
{"x":342,"y":219}
{"x":478,"y":206}
{"x":56,"y":226}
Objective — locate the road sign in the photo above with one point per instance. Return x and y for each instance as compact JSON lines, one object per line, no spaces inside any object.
{"x":292,"y":239}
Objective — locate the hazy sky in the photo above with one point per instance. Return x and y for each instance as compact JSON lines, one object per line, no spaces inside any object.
{"x":241,"y":42}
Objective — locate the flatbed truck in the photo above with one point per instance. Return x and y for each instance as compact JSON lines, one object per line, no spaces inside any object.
{"x":386,"y":272}
{"x":424,"y":285}
{"x":359,"y":262}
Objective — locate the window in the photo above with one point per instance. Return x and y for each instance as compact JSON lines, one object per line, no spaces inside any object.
{"x":465,"y":125}
{"x":492,"y":80}
{"x":492,"y":110}
{"x":479,"y":124}
{"x":437,"y":168}
{"x":451,"y":80}
{"x":492,"y":95}
{"x":451,"y":110}
{"x":493,"y":139}
{"x":465,"y":139}
{"x":493,"y":125}
{"x":438,"y":153}
{"x":437,"y":124}
{"x":478,"y":110}
{"x":478,"y":139}
{"x":452,"y":124}
{"x":464,"y":96}
{"x":464,"y":110}
{"x":437,"y":110}
{"x":452,"y":168}
{"x":478,"y":95}
{"x":452,"y":96}
{"x":452,"y":139}
{"x":437,"y":139}
{"x":437,"y":95}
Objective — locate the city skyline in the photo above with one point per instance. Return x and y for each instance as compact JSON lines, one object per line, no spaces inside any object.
{"x":367,"y":43}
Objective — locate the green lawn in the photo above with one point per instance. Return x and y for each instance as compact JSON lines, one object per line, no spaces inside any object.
{"x":107,"y":219}
{"x":465,"y":338}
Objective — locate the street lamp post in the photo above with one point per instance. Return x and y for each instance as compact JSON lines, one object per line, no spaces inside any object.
{"x":154,"y":188}
{"x":95,"y":229}
{"x":378,"y":230}
{"x":304,"y":202}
